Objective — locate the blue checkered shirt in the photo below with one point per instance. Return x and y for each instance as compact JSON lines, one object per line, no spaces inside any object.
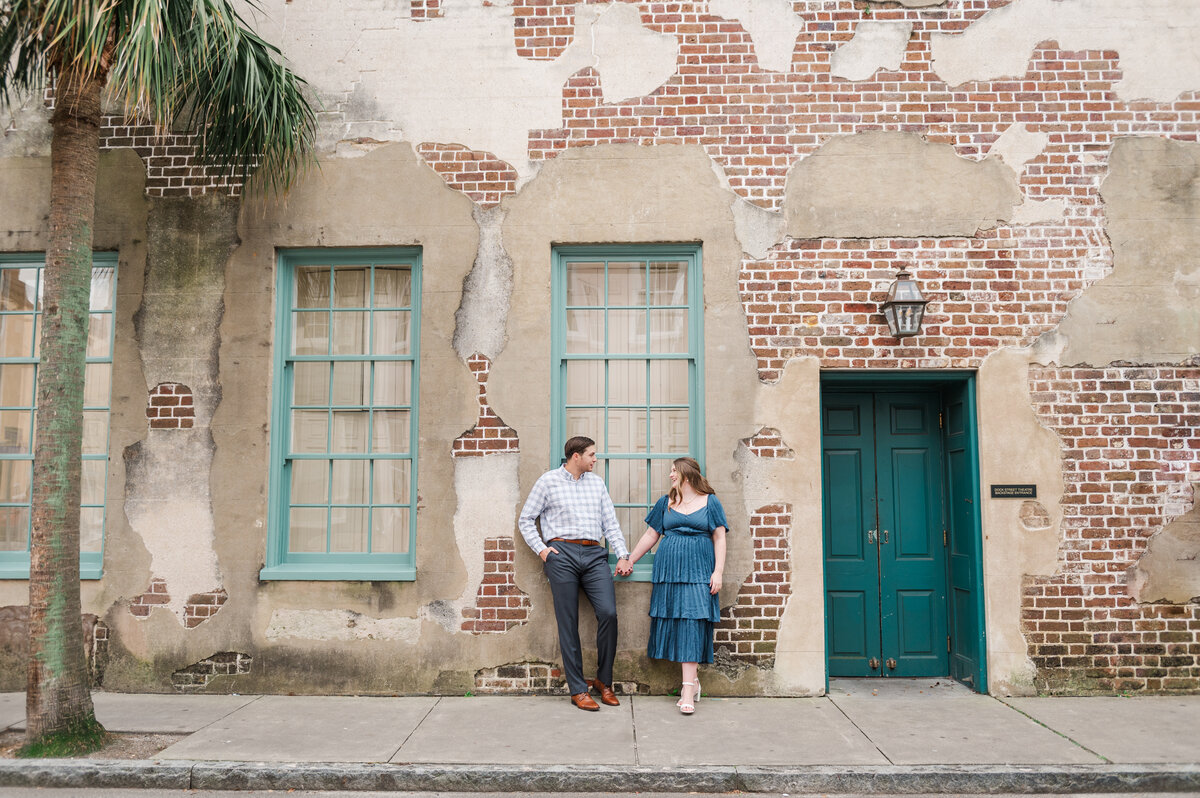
{"x":575,"y":509}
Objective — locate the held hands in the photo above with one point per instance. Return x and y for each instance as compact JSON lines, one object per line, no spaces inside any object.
{"x":544,"y":553}
{"x":714,"y":583}
{"x":624,"y":567}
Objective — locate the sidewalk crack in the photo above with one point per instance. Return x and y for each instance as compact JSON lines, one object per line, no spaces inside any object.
{"x":861,"y":730}
{"x":416,"y":726}
{"x":637,"y":755}
{"x":1071,"y":740}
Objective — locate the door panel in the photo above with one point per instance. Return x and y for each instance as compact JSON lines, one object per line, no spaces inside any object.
{"x":851,"y":565}
{"x":962,"y":516}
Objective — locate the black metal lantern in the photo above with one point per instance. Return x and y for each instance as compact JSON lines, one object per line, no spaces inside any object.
{"x":904,"y":307}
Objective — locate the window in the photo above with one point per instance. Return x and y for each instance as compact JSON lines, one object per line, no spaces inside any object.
{"x":20,"y":319}
{"x":344,"y":432}
{"x":627,"y":367}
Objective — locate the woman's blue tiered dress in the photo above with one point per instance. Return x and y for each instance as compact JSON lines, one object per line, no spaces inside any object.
{"x":682,"y":610}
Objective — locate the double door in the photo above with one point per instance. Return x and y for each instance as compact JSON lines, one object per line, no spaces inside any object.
{"x":892,"y":471}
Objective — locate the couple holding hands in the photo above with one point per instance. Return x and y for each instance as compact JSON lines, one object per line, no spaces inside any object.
{"x":576,"y":516}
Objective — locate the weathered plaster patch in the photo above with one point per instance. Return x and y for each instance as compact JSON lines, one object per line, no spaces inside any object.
{"x":772,"y":24}
{"x":1019,"y":450}
{"x":340,"y":625}
{"x":1039,"y":211}
{"x":1155,"y":38}
{"x":885,"y":183}
{"x":457,"y":79}
{"x":1169,"y":569}
{"x":1018,"y":145}
{"x":25,"y":122}
{"x":483,"y":315}
{"x":758,"y":229}
{"x":1152,"y":207}
{"x":875,"y":46}
{"x":488,"y":493}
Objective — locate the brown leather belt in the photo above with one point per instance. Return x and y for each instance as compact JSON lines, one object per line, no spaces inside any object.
{"x":580,"y":542}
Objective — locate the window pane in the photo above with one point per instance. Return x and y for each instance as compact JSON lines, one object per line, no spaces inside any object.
{"x":310,"y":431}
{"x":312,"y":287}
{"x":348,"y":529}
{"x":95,"y":432}
{"x":393,"y":287}
{"x":310,"y":333}
{"x":585,"y":421}
{"x":660,"y":476}
{"x":669,"y":382}
{"x":350,"y":431}
{"x":91,"y":529}
{"x":390,"y":431}
{"x":669,"y":331}
{"x":626,"y":431}
{"x":310,"y":384}
{"x":350,"y":484}
{"x":627,"y":382}
{"x":350,"y":332}
{"x":16,"y":384}
{"x":393,"y":383}
{"x":99,"y":334}
{"x":626,"y":331}
{"x":14,"y":528}
{"x":97,"y":384}
{"x":391,"y":481}
{"x":627,"y":480}
{"x":389,"y":530}
{"x":102,"y":288}
{"x":669,"y":431}
{"x":668,"y":282}
{"x":310,"y":481}
{"x":350,"y":383}
{"x":92,"y":482}
{"x":16,"y":430}
{"x":585,"y":331}
{"x":585,"y":284}
{"x":391,"y":332}
{"x":350,"y":286}
{"x":632,"y":523}
{"x":585,"y":382}
{"x":306,"y":529}
{"x":18,"y":289}
{"x":15,"y":481}
{"x":626,"y":284}
{"x":16,"y":336}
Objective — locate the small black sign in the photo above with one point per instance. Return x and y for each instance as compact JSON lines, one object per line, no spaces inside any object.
{"x":1014,"y":491}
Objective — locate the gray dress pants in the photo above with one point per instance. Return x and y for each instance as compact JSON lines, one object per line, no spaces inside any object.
{"x":586,"y":567}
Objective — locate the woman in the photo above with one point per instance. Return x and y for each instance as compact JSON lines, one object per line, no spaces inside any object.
{"x":686,"y":576}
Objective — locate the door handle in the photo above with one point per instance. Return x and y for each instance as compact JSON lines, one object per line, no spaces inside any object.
{"x":872,"y":535}
{"x":885,"y":536}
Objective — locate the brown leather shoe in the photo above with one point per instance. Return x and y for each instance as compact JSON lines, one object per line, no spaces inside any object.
{"x":584,"y":701}
{"x":607,"y":695}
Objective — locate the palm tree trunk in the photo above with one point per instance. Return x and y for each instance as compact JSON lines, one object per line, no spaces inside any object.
{"x":58,"y":698}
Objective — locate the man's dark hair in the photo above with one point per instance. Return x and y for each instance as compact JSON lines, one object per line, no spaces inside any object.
{"x":577,"y":445}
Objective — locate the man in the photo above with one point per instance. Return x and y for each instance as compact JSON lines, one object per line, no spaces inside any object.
{"x":576,"y":512}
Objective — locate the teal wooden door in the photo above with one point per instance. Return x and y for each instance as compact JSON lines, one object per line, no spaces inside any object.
{"x":885,"y":554}
{"x":967,"y":661}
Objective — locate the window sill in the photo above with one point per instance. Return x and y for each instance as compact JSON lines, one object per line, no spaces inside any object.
{"x":338,"y":572}
{"x":20,"y":570}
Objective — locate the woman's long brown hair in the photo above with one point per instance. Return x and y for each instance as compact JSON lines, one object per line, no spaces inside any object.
{"x":689,"y":472}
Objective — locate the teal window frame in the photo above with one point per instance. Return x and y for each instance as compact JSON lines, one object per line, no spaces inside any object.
{"x":14,"y":564}
{"x":282,"y":564}
{"x":562,"y":257}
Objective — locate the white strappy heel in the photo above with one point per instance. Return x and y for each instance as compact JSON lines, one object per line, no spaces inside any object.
{"x":689,"y":708}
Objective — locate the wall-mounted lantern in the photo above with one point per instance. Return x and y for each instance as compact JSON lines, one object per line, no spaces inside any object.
{"x":904,"y":307}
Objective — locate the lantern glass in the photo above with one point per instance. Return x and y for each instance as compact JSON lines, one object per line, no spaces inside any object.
{"x":904,"y":307}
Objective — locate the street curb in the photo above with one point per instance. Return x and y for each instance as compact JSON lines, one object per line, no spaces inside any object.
{"x":961,"y":779}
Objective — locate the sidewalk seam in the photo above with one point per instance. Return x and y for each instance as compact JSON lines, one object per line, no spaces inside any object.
{"x":424,"y":718}
{"x":861,"y":731}
{"x":1071,"y":740}
{"x":637,"y":755}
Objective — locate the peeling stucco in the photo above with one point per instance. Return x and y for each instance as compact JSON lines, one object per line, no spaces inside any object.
{"x":876,"y":45}
{"x":772,"y":24}
{"x":884,"y":183}
{"x":458,"y":78}
{"x":1152,"y":204}
{"x":488,"y":495}
{"x":1156,"y":40}
{"x":1018,"y":145}
{"x":479,"y":324}
{"x":25,"y":126}
{"x":339,"y":625}
{"x":1169,"y":570}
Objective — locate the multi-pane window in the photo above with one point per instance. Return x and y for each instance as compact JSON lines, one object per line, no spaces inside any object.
{"x":21,"y":287}
{"x":343,"y":483}
{"x":627,"y":366}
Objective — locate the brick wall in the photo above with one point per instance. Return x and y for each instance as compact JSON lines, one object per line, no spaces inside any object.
{"x":1131,"y":455}
{"x":490,"y":434}
{"x":198,"y":608}
{"x":749,"y":629}
{"x":171,"y":406}
{"x":499,"y":603}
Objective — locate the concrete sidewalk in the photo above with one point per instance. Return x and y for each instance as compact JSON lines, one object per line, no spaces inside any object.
{"x":865,"y":736}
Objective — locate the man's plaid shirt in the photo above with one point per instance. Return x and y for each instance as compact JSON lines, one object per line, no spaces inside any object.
{"x":575,"y":509}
